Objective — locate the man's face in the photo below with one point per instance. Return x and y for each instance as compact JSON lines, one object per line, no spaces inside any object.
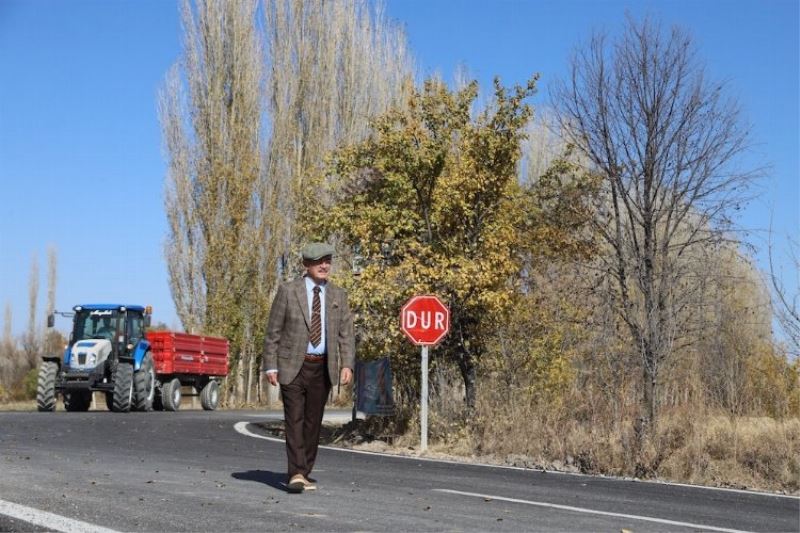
{"x":320,"y":269}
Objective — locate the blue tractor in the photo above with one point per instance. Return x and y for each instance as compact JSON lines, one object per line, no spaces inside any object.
{"x":107,"y":352}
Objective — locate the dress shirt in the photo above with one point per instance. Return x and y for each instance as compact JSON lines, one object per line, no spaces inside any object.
{"x":320,"y":349}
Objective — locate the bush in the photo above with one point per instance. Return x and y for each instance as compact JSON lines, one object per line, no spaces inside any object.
{"x":29,"y":383}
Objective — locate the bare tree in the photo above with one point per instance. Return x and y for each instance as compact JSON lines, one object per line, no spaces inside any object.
{"x":214,"y":201}
{"x":7,"y":351}
{"x":236,"y":165}
{"x":7,"y":324}
{"x":543,"y":144}
{"x":666,"y":142}
{"x":738,"y":330}
{"x":52,"y":277}
{"x":31,"y":341}
{"x":786,"y":304}
{"x":53,"y":340}
{"x":334,"y":66}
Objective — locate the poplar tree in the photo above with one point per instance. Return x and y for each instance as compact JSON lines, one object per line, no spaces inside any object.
{"x":248,"y":112}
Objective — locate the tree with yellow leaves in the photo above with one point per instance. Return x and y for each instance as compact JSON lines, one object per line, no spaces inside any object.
{"x":431,"y":204}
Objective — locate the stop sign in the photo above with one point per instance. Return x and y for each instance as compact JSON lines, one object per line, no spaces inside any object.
{"x":425,"y":320}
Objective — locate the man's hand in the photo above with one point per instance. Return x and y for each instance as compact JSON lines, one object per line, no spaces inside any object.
{"x":273,"y":378}
{"x":345,"y":376}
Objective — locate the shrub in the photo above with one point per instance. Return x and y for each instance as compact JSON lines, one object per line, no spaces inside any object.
{"x":29,"y":383}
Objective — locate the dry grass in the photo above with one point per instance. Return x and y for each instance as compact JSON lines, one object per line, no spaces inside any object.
{"x":188,"y":403}
{"x":29,"y":405}
{"x":755,"y":452}
{"x":690,"y":446}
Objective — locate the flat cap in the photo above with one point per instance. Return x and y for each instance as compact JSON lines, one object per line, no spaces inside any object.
{"x":317,"y":250}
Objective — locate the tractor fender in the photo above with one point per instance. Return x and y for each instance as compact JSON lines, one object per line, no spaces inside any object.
{"x":53,"y":359}
{"x":142,"y":348}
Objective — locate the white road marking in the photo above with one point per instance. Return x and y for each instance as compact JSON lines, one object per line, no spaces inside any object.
{"x":241,"y":427}
{"x":49,"y":521}
{"x":702,"y":527}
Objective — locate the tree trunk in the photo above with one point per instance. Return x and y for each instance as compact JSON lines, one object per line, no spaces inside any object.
{"x":648,"y":402}
{"x":239,"y":387}
{"x":466,"y":364}
{"x":249,"y":382}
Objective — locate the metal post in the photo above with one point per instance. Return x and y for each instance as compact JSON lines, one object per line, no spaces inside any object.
{"x":355,"y":392}
{"x":424,"y":401}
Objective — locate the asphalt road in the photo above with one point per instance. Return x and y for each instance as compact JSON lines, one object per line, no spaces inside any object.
{"x":193,"y":471}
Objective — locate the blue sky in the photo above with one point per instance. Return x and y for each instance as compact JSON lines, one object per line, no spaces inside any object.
{"x":81,"y":163}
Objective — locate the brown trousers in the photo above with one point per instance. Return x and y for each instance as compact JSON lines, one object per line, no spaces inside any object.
{"x":303,"y":406}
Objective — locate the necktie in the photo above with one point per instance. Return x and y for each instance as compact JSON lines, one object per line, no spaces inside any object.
{"x":316,"y":319}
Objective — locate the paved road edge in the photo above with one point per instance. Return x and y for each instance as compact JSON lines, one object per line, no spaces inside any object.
{"x":241,"y":428}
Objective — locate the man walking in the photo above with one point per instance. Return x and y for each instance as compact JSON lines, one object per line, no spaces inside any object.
{"x":309,"y":347}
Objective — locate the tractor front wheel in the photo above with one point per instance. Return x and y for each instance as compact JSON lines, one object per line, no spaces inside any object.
{"x":123,"y":388}
{"x":46,"y":386}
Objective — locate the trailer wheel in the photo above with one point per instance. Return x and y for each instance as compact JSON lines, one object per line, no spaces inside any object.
{"x":46,"y":386}
{"x":209,"y":396}
{"x":171,"y":395}
{"x":77,"y":401}
{"x":123,"y":388}
{"x":144,"y":385}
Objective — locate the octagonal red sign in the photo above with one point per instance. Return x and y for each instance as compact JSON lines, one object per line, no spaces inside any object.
{"x":425,"y":320}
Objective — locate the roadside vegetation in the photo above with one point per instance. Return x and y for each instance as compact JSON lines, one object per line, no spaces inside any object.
{"x":20,"y":357}
{"x":605,"y":316}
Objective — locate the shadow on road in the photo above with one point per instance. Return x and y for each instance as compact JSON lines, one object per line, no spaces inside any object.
{"x":275,"y":480}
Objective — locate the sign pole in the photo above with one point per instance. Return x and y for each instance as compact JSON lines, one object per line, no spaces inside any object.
{"x":425,"y":320}
{"x":424,"y":402}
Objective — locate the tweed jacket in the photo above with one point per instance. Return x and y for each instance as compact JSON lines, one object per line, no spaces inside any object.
{"x":288,"y":331}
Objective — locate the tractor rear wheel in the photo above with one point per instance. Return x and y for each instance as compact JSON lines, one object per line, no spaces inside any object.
{"x":209,"y":396}
{"x":144,"y":385}
{"x":123,"y":388}
{"x":46,"y":386}
{"x":171,"y":395}
{"x":78,"y":400}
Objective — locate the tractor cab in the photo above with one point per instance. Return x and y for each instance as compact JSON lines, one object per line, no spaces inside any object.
{"x":103,"y":334}
{"x":114,"y":323}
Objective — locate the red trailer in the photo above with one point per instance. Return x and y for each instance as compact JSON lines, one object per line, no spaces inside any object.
{"x":185,"y":360}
